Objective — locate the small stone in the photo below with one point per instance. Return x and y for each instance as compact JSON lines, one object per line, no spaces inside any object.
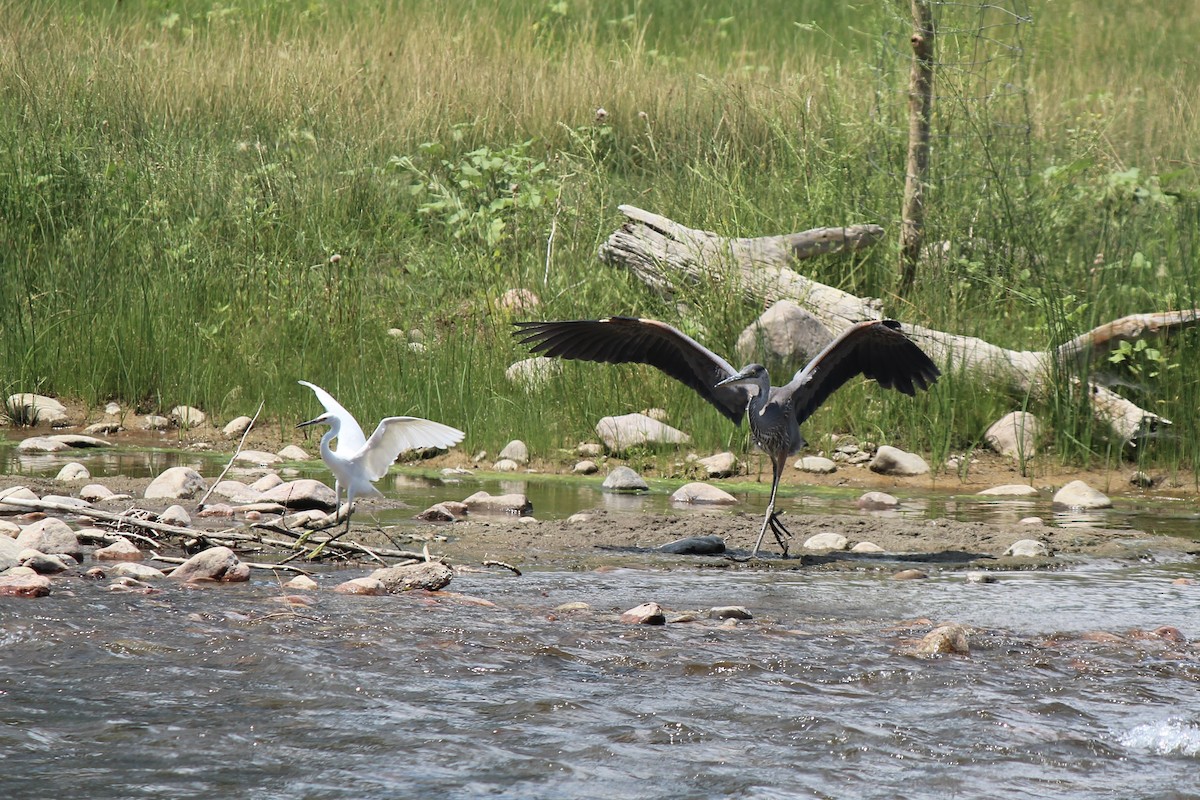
{"x":589,"y":449}
{"x":104,"y":428}
{"x":979,"y":576}
{"x":94,"y":574}
{"x":1031,"y":521}
{"x":73,"y":472}
{"x":237,"y":491}
{"x":585,"y":468}
{"x":1027,"y":548}
{"x":213,"y":510}
{"x":302,"y":582}
{"x":1014,"y":435}
{"x":176,"y":483}
{"x":890,"y":460}
{"x":237,"y":427}
{"x":1078,"y":494}
{"x":695,"y":546}
{"x":112,"y":409}
{"x":579,"y":517}
{"x":120,"y":550}
{"x":645,"y":614}
{"x":258,"y":458}
{"x":945,"y":639}
{"x":1009,"y":490}
{"x":140,"y":572}
{"x":1142,"y":480}
{"x":293,"y":453}
{"x":364,"y":586}
{"x":877,"y":501}
{"x":213,"y":564}
{"x":43,"y":564}
{"x":909,"y":575}
{"x":506,"y":465}
{"x":721,"y":465}
{"x":624,"y":479}
{"x":518,"y":301}
{"x":826,"y":541}
{"x":267,"y":482}
{"x":729,"y":612}
{"x":817,"y":465}
{"x":482,"y":502}
{"x":437,"y":512}
{"x":188,"y":417}
{"x":50,"y":535}
{"x":95,"y":493}
{"x":155,"y":422}
{"x":516,"y":450}
{"x":702,"y":494}
{"x":533,"y":373}
{"x":428,"y":575}
{"x":175,"y":515}
{"x":866,"y":547}
{"x":575,"y":605}
{"x":23,"y":584}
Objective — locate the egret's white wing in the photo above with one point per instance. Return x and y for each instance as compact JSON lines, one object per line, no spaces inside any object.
{"x":398,"y":434}
{"x":351,"y":437}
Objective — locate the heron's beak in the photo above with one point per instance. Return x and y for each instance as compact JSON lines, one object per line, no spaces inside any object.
{"x":310,"y":422}
{"x":732,"y":379}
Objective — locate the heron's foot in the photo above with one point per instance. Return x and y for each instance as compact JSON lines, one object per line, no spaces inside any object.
{"x":782,"y":534}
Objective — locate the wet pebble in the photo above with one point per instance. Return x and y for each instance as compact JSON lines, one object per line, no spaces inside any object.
{"x":1027,"y":548}
{"x":429,"y":575}
{"x":721,"y":465}
{"x":729,"y":612}
{"x":23,"y":582}
{"x":909,"y":575}
{"x":176,"y":483}
{"x":816,"y":465}
{"x":175,"y":515}
{"x":877,"y":501}
{"x":585,"y":468}
{"x":95,"y":493}
{"x":866,"y":547}
{"x":944,"y":639}
{"x":826,"y":541}
{"x":43,"y":564}
{"x":120,"y":550}
{"x":890,"y":460}
{"x":155,"y":422}
{"x":1009,"y":490}
{"x":506,"y":465}
{"x":364,"y":586}
{"x":302,"y":493}
{"x":1035,"y":521}
{"x":438,"y":512}
{"x":215,"y":510}
{"x":702,"y":494}
{"x":237,"y":427}
{"x":136,"y":571}
{"x":695,"y":546}
{"x":293,"y":453}
{"x":50,"y":535}
{"x":979,"y":576}
{"x":1078,"y":494}
{"x":214,"y":564}
{"x":645,"y":614}
{"x":514,"y":503}
{"x":579,"y":517}
{"x":575,"y":605}
{"x":303,"y":582}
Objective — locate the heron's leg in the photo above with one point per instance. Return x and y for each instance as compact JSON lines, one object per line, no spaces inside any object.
{"x":772,"y":519}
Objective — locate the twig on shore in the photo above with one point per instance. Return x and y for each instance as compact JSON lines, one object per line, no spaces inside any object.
{"x":507,"y":566}
{"x":232,"y":458}
{"x":251,"y":564}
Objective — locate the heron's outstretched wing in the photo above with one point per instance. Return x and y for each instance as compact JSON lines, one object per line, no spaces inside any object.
{"x":877,"y":349}
{"x":394,"y":435}
{"x":629,"y":340}
{"x":351,"y":437}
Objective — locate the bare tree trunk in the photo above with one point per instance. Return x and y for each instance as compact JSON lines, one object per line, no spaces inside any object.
{"x":661,"y":252}
{"x":920,"y":107}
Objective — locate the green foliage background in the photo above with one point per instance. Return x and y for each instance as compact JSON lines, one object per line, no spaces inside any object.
{"x":202,"y":202}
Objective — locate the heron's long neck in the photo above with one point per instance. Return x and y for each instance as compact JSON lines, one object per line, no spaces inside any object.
{"x":760,"y":398}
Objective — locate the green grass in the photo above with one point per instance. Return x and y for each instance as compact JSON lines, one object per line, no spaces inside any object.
{"x":204,"y":202}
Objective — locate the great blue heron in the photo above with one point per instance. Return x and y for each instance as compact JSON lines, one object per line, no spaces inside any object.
{"x":876,"y":349}
{"x":358,"y":461}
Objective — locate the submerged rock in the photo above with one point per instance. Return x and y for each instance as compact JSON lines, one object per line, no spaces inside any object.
{"x":944,"y":639}
{"x":645,"y":614}
{"x":1078,"y":494}
{"x":1009,"y":490}
{"x":624,"y":479}
{"x":877,"y":501}
{"x":702,"y":493}
{"x":428,"y":575}
{"x":1027,"y":548}
{"x":23,"y":582}
{"x":120,"y":550}
{"x":214,"y":564}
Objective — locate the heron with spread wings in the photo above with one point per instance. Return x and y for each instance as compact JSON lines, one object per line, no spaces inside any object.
{"x":877,"y":349}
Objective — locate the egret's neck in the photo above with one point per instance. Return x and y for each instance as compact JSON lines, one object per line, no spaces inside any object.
{"x":335,"y":427}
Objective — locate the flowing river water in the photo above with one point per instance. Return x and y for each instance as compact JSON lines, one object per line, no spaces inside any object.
{"x":492,"y":691}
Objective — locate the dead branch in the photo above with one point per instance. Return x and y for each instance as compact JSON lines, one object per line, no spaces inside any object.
{"x":232,"y":458}
{"x":661,"y":253}
{"x":250,"y":564}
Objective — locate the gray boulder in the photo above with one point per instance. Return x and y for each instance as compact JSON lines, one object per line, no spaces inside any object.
{"x":237,"y":426}
{"x":1078,"y":494}
{"x":721,"y":465}
{"x":428,"y":575}
{"x":214,"y":564}
{"x":73,"y":472}
{"x":302,"y":493}
{"x":816,"y":465}
{"x":34,"y":409}
{"x":15,"y":493}
{"x":785,"y":335}
{"x":533,"y":373}
{"x":50,"y":535}
{"x":515,"y":451}
{"x":631,"y":430}
{"x":1015,"y":435}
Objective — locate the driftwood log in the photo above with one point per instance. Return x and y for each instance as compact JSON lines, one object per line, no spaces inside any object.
{"x":663,"y":253}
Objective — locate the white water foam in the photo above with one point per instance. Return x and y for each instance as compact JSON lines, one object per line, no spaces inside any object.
{"x":1167,"y":737}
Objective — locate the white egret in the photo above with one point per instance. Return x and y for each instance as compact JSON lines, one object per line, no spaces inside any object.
{"x":876,"y":349}
{"x":358,"y":461}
